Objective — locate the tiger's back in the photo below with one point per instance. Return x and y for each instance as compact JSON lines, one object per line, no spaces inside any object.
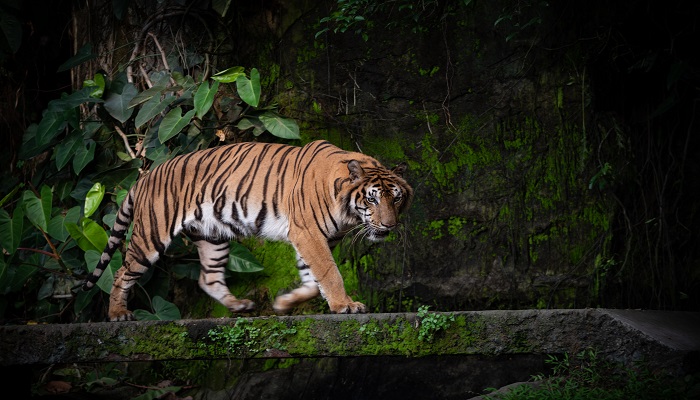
{"x":306,"y":196}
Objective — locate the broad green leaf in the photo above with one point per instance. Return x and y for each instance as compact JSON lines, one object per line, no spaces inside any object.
{"x":84,"y":155}
{"x":57,"y":225}
{"x":121,"y":195}
{"x":15,"y":278}
{"x":89,"y":235}
{"x":30,"y":146}
{"x":151,"y":108}
{"x":249,"y":89}
{"x":173,"y":123}
{"x":158,"y":155}
{"x":163,"y":310}
{"x":240,"y":259}
{"x":186,"y":81}
{"x":46,"y":200}
{"x":70,"y":102}
{"x":56,"y":228}
{"x":255,"y":123}
{"x":66,"y":148}
{"x":117,"y":103}
{"x":94,"y":198}
{"x":36,"y":210}
{"x":229,"y":75}
{"x":146,"y":95}
{"x":11,"y":229}
{"x":94,"y":233}
{"x":279,"y":126}
{"x":11,"y":29}
{"x":109,"y":219}
{"x":96,"y":85}
{"x":84,"y":54}
{"x":51,"y":124}
{"x":204,"y":98}
{"x":92,"y":257}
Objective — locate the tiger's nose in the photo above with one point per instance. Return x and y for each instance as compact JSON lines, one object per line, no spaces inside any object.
{"x":389,"y":226}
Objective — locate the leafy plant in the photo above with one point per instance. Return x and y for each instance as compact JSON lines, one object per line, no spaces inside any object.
{"x":87,"y":150}
{"x":432,"y":323}
{"x":585,"y":376}
{"x":356,"y":15}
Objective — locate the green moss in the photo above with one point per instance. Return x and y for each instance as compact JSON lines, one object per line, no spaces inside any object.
{"x":280,"y":274}
{"x":303,"y":343}
{"x":162,"y":342}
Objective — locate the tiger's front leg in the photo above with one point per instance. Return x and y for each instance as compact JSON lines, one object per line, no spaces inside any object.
{"x":314,"y":251}
{"x":306,"y":291}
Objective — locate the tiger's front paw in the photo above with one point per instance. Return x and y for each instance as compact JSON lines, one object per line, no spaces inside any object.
{"x":121,"y":315}
{"x":353,"y":307}
{"x":284,"y":304}
{"x":241,"y":306}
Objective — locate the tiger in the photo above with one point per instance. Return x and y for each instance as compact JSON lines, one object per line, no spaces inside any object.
{"x":310,"y":197}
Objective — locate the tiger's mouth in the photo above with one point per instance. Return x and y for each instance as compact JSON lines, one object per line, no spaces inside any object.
{"x":378,"y":234}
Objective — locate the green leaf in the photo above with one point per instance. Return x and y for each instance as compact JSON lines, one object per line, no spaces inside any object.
{"x":240,"y":259}
{"x":106,"y":281}
{"x":84,"y":54}
{"x":146,"y":95}
{"x":11,"y":229}
{"x":163,"y":311}
{"x":96,"y":85}
{"x":117,"y":103}
{"x":255,"y":123}
{"x":94,"y":233}
{"x":30,"y":146}
{"x":66,"y":149}
{"x":84,"y":155}
{"x":89,"y":235}
{"x":94,"y":198}
{"x":204,"y":98}
{"x":15,"y":279}
{"x":121,"y":195}
{"x":249,"y":89}
{"x":173,"y":123}
{"x":279,"y":126}
{"x":38,"y":211}
{"x":229,"y":75}
{"x":157,"y":154}
{"x":51,"y":124}
{"x":151,"y":108}
{"x":57,"y":228}
{"x":72,"y":101}
{"x":11,"y":29}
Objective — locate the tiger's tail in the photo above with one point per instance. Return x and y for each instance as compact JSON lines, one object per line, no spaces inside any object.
{"x":119,"y":230}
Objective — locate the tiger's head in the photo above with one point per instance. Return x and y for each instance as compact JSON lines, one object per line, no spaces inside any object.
{"x":379,"y":195}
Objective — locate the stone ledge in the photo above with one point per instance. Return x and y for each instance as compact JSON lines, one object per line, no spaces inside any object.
{"x":667,"y":340}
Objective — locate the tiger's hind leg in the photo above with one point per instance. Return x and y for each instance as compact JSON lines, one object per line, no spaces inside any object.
{"x":213,"y":256}
{"x":135,"y":265}
{"x":307,"y":291}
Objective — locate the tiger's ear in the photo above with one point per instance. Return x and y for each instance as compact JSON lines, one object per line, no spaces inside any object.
{"x":400,"y":169}
{"x":356,"y":171}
